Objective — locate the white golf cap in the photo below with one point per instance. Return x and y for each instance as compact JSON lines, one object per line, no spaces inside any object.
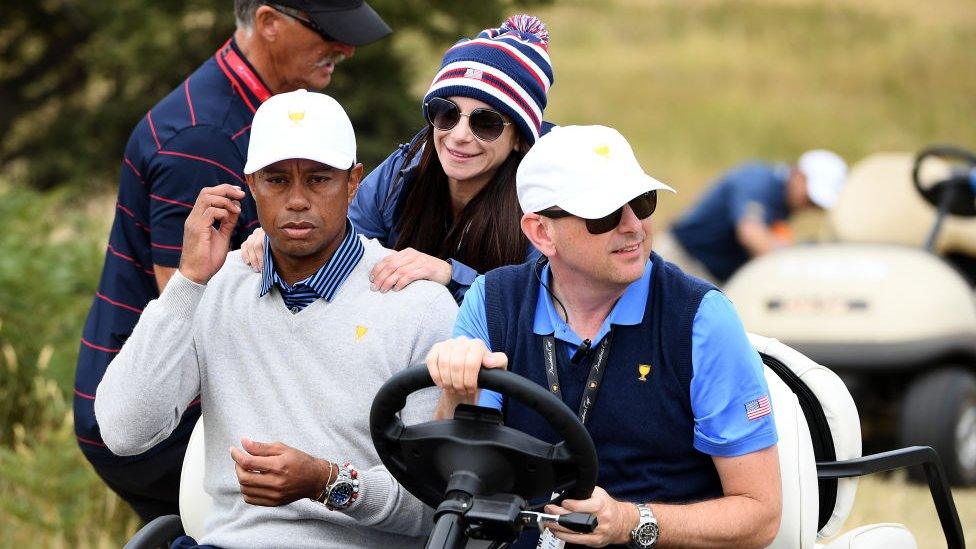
{"x":589,"y":171}
{"x":826,"y":173}
{"x":301,"y":124}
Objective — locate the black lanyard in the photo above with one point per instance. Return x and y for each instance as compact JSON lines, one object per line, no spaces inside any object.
{"x":593,"y":381}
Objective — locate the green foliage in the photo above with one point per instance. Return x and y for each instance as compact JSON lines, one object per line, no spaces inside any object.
{"x":49,"y":266}
{"x":52,"y":256}
{"x":75,"y":77}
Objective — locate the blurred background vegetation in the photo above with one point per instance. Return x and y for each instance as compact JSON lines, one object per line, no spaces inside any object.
{"x":696,"y":85}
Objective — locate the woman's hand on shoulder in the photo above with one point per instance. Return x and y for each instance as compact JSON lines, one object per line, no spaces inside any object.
{"x":252,"y":251}
{"x":397,"y":270}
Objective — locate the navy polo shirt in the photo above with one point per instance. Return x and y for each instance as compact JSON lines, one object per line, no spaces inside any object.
{"x":708,"y":231}
{"x":196,"y":137}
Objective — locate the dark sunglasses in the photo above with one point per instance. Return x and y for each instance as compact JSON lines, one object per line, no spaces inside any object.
{"x":444,"y":114}
{"x":305,"y":21}
{"x":643,"y":206}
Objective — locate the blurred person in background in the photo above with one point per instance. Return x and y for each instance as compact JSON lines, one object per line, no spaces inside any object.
{"x":746,"y":213}
{"x":196,"y":137}
{"x":446,"y":201}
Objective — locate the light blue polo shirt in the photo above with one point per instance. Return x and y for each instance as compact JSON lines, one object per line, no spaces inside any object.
{"x":727,"y":373}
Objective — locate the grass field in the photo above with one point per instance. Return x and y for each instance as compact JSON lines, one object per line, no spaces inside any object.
{"x":892,"y":499}
{"x":700,"y":85}
{"x":696,"y":85}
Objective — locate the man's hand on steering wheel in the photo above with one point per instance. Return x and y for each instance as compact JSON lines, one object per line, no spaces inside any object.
{"x":615,"y":519}
{"x":273,"y":474}
{"x":454,"y":365}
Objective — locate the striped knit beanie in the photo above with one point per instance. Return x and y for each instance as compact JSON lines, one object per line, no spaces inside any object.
{"x":507,"y":68}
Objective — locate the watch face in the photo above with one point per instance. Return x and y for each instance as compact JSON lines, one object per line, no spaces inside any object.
{"x":340,"y":494}
{"x":646,"y":535}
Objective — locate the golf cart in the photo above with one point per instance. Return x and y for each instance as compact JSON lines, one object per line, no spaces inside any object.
{"x":479,"y":474}
{"x":889,"y":306}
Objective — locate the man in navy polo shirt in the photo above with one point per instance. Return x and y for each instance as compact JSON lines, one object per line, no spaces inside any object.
{"x":656,"y":362}
{"x":196,"y":137}
{"x":746,"y":212}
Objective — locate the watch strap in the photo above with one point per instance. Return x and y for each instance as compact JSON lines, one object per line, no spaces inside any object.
{"x":347,"y":480}
{"x":637,"y":538}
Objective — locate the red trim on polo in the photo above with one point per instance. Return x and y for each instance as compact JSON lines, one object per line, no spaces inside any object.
{"x":135,"y":263}
{"x":87,"y":343}
{"x":119,"y":304}
{"x":244,"y":72}
{"x":152,"y":129}
{"x":134,"y":170}
{"x":165,"y":247}
{"x":240,"y":132}
{"x":189,"y":102}
{"x":84,"y":395}
{"x":234,"y":84}
{"x":237,"y":71}
{"x":202,"y":159}
{"x":90,"y":441}
{"x":170,"y":200}
{"x":129,"y":213}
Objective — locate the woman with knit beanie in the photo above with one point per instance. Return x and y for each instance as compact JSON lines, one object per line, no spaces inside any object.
{"x":446,"y":201}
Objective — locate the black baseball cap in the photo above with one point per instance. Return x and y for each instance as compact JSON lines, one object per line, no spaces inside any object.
{"x":351,"y":22}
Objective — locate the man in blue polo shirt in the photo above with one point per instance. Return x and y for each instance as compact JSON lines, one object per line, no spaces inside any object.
{"x":656,"y":361}
{"x":196,"y":137}
{"x":745,"y":214}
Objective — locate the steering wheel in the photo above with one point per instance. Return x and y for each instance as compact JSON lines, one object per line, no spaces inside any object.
{"x":955,"y":194}
{"x":475,"y":453}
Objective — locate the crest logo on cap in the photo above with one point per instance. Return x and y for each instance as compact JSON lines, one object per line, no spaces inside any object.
{"x":603,"y":151}
{"x":474,"y":73}
{"x":296,"y":117}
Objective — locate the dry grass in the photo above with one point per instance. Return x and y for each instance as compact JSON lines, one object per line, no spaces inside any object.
{"x":700,"y":85}
{"x":892,"y":499}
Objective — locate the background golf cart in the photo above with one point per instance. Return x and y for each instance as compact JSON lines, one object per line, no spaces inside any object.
{"x":819,"y":451}
{"x":889,"y":305}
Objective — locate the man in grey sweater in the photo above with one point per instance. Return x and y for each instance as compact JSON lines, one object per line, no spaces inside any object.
{"x":286,"y":362}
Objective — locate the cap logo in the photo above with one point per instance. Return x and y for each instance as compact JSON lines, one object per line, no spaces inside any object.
{"x":474,"y":73}
{"x":603,"y":151}
{"x":296,"y":117}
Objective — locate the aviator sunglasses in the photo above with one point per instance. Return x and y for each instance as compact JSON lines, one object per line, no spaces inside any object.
{"x":643,"y":206}
{"x":444,"y":114}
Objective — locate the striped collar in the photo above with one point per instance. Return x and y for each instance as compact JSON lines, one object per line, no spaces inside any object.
{"x":326,"y":281}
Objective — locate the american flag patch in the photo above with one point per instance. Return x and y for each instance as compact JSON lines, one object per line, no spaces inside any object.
{"x":758,"y":408}
{"x":474,"y":73}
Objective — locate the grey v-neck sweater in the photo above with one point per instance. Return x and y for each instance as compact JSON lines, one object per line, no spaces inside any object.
{"x":305,"y":379}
